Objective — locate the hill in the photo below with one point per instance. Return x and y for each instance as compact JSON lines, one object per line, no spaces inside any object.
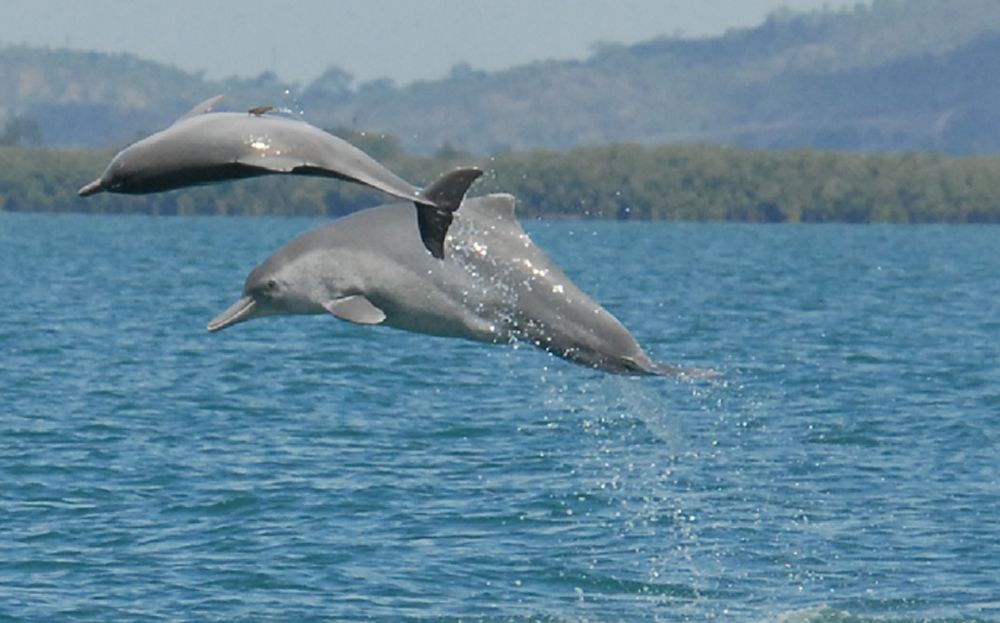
{"x":897,"y":75}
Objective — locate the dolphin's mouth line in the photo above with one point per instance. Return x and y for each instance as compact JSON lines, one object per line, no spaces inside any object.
{"x":238,"y":312}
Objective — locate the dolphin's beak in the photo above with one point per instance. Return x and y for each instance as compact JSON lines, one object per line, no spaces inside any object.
{"x":240,"y":310}
{"x":91,"y":188}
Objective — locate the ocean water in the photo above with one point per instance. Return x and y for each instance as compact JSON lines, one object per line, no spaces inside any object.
{"x":846,"y":468}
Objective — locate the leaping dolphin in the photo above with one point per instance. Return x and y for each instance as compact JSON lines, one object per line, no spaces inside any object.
{"x":494,"y":286}
{"x":203,"y":147}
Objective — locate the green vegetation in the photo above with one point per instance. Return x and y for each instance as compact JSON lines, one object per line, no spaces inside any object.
{"x":705,"y":183}
{"x":692,"y":183}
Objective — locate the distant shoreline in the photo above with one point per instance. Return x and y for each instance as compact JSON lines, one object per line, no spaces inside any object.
{"x":684,"y":183}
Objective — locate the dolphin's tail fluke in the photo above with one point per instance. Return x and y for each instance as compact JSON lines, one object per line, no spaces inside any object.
{"x":446,"y":193}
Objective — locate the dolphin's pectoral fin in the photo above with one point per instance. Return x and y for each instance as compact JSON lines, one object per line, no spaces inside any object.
{"x":356,"y":308}
{"x":446,"y":193}
{"x":202,"y":108}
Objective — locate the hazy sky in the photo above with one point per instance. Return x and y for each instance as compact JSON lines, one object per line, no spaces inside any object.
{"x":404,"y":40}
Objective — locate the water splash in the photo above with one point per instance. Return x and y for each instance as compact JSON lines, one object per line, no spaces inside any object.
{"x":290,"y":104}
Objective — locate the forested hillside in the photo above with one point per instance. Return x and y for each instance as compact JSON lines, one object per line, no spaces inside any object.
{"x":893,"y":76}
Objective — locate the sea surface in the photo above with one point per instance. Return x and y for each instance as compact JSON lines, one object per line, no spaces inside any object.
{"x":846,"y":468}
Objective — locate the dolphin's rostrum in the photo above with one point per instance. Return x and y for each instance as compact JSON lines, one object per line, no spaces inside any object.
{"x":494,"y":286}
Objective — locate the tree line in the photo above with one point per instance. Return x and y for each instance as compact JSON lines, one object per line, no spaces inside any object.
{"x":677,"y":182}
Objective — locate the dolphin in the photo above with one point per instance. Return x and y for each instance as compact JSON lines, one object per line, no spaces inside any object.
{"x":494,"y":286}
{"x":203,"y":147}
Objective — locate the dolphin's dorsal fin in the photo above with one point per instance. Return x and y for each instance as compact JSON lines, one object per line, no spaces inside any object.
{"x":202,"y":108}
{"x":355,"y":308}
{"x":500,"y":205}
{"x":495,"y":207}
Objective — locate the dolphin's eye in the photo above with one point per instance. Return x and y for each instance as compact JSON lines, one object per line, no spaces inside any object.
{"x":272,"y":285}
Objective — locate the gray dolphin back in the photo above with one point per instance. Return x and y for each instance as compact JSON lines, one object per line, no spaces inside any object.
{"x":204,"y":147}
{"x":495,"y":285}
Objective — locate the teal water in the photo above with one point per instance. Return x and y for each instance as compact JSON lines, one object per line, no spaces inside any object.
{"x":297,"y":469}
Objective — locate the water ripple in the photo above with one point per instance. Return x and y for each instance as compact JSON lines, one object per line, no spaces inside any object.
{"x":302,"y":469}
